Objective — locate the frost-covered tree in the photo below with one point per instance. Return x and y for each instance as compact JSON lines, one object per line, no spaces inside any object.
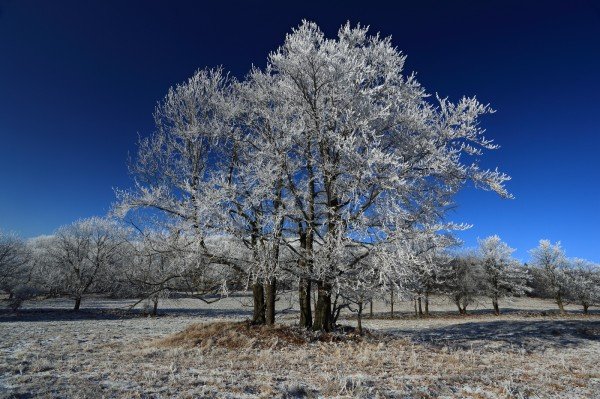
{"x":211,"y":168}
{"x":329,"y":154}
{"x":150,"y":271}
{"x":78,"y":258}
{"x":14,"y":258}
{"x":372,"y":157}
{"x":502,"y":275}
{"x":162,"y":262}
{"x":550,"y":259}
{"x":461,"y":279}
{"x":423,"y":261}
{"x":585,"y":280}
{"x":15,"y":269}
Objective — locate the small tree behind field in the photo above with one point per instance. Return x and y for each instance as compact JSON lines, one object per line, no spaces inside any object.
{"x":14,"y":263}
{"x":585,"y":281}
{"x":552,"y":263}
{"x":502,"y":276}
{"x":77,"y":259}
{"x":461,"y":280}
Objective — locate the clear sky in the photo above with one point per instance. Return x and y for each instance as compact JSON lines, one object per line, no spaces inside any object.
{"x":79,"y":81}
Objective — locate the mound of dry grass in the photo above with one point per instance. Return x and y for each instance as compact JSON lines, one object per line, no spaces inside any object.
{"x":237,"y":335}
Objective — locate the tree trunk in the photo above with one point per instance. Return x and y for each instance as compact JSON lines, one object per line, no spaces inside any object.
{"x":457,"y":303}
{"x":323,"y":319}
{"x":585,"y":308}
{"x":305,"y":305}
{"x":371,"y":308}
{"x":305,"y":284}
{"x":420,"y":307}
{"x":462,"y":308}
{"x":427,"y":304}
{"x":77,"y":303}
{"x":258,"y":294}
{"x":414,"y":301}
{"x":392,"y":303}
{"x":155,"y":307}
{"x":271,"y":294}
{"x":561,"y":306}
{"x":335,"y":310}
{"x":359,"y":317}
{"x":496,"y":307}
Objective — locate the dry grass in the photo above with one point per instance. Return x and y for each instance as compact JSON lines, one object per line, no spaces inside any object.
{"x":237,"y":335}
{"x":185,"y":356}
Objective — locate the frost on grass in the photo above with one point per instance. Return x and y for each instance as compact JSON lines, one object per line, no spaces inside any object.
{"x":199,"y":355}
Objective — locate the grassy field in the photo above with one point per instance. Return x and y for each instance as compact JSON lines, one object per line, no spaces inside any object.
{"x":105,"y":350}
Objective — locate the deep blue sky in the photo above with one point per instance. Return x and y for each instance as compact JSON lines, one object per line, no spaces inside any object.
{"x":79,"y":81}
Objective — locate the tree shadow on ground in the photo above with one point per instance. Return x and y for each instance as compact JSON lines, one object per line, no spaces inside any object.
{"x":509,"y":334}
{"x":541,"y":312}
{"x":54,"y":314}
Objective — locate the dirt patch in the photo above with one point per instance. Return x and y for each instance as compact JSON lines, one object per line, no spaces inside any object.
{"x":236,"y":335}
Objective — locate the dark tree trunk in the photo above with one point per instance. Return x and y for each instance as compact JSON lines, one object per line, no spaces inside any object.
{"x":77,"y":303}
{"x":305,"y":284}
{"x":585,"y":308}
{"x":323,"y":316}
{"x":359,"y":317}
{"x":271,"y":294}
{"x":420,"y":307}
{"x":258,"y":293}
{"x":414,"y":301}
{"x":561,"y":306}
{"x":426,"y":304}
{"x":496,"y":307}
{"x":462,"y":307}
{"x":305,"y":305}
{"x":155,"y":307}
{"x":392,"y":303}
{"x":11,"y":295}
{"x":371,"y":308}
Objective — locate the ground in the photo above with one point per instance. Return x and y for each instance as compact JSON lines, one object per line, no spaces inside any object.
{"x":107,"y":351}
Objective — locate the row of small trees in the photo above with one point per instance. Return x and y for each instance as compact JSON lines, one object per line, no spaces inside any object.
{"x":96,"y":255}
{"x":491,"y":272}
{"x":103,"y":256}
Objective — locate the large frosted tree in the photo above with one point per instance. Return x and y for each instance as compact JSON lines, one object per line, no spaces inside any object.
{"x":371,"y":157}
{"x":319,"y":163}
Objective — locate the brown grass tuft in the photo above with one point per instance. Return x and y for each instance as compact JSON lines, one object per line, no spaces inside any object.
{"x":237,"y":335}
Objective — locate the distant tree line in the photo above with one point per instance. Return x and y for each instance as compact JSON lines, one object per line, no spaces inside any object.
{"x":106,"y":257}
